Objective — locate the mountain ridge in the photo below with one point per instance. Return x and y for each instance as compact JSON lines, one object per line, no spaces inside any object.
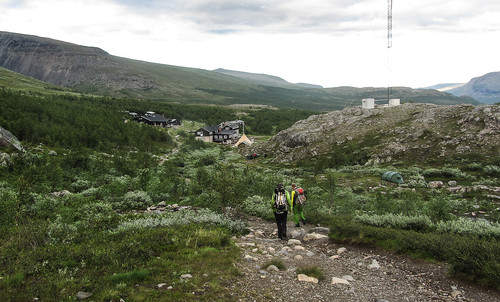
{"x":485,"y":88}
{"x":93,"y":70}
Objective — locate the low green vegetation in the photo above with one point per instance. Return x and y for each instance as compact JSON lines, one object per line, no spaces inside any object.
{"x":312,"y":271}
{"x":127,"y":211}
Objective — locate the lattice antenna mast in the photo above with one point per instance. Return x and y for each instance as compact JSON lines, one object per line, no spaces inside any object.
{"x":389,"y":46}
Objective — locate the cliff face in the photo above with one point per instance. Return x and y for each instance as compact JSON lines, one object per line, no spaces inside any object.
{"x":50,"y":61}
{"x":419,"y":131}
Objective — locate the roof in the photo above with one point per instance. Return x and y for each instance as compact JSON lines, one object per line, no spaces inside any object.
{"x":243,"y":140}
{"x":226,"y":132}
{"x":154,"y":118}
{"x":212,"y":128}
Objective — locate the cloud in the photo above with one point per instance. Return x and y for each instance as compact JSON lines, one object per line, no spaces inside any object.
{"x":326,"y":42}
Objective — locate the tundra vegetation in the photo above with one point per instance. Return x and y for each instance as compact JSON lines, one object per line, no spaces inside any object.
{"x":74,"y":218}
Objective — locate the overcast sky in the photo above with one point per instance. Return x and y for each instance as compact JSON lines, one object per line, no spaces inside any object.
{"x":326,"y":42}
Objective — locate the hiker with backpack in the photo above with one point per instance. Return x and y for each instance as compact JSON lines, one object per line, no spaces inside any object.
{"x":298,"y":198}
{"x":281,"y":205}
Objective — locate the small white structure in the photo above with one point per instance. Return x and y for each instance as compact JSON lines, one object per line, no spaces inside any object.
{"x":368,"y":103}
{"x":394,"y":102}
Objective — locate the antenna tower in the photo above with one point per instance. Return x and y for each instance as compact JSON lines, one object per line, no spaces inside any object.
{"x":389,"y":46}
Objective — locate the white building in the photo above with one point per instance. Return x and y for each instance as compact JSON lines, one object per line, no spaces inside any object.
{"x":394,"y":102}
{"x":368,"y":103}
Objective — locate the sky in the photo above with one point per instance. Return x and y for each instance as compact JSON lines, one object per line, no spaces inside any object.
{"x":324,"y":42}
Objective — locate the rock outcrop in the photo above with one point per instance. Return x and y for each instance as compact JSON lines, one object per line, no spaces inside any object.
{"x":7,"y":139}
{"x":389,"y":133}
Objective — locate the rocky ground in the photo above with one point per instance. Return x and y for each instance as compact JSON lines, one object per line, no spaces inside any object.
{"x":352,"y":273}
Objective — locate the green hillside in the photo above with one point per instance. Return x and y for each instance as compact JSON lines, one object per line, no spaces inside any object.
{"x":15,"y":81}
{"x":94,"y":71}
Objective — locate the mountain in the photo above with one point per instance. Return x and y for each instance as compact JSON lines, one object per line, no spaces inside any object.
{"x":445,"y":87}
{"x":409,"y":132}
{"x":485,"y":89}
{"x":264,"y":79}
{"x":93,"y":70}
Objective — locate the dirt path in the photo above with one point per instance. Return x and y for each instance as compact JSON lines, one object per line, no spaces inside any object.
{"x":365,"y":274}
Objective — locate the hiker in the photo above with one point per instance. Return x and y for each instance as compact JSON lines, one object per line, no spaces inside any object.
{"x":281,"y":205}
{"x":298,"y":198}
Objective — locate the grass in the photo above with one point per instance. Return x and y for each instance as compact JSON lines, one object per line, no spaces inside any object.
{"x":114,"y":267}
{"x":276,"y":262}
{"x":312,"y":271}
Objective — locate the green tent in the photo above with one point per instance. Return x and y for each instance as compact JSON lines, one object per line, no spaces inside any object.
{"x":393,"y":177}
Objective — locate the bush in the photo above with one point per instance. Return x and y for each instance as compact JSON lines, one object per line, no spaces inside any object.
{"x":312,"y":271}
{"x":276,"y":262}
{"x":416,"y":223}
{"x":172,"y":219}
{"x":130,"y":277}
{"x":492,"y":170}
{"x":8,"y":209}
{"x":258,"y":206}
{"x":135,"y":200}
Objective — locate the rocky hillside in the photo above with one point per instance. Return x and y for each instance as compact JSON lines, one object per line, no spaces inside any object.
{"x":93,"y":70}
{"x":416,"y":131}
{"x":485,"y":89}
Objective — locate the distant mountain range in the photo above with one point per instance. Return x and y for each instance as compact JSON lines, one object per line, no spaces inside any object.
{"x":485,"y":89}
{"x":93,"y":70}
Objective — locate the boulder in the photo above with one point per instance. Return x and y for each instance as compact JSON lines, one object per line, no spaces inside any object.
{"x":316,"y":238}
{"x":435,"y":184}
{"x":336,"y":280}
{"x":7,"y":139}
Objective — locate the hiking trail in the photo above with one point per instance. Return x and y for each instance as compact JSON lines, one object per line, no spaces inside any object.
{"x":352,"y":273}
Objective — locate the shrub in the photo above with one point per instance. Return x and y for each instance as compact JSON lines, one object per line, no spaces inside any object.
{"x":464,"y":226}
{"x":171,"y":219}
{"x":130,"y":277}
{"x":444,"y":172}
{"x":416,"y":223}
{"x":312,"y":271}
{"x":492,"y":170}
{"x":134,"y":200}
{"x":258,"y":206}
{"x":276,"y":262}
{"x":61,"y":232}
{"x":8,"y":208}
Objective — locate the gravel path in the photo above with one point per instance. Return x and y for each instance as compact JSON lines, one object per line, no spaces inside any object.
{"x":366,"y":274}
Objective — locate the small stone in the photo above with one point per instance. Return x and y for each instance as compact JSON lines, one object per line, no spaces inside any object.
{"x":374,"y":265}
{"x":315,"y":236}
{"x":161,"y":285}
{"x":250,"y":258}
{"x":186,"y":276}
{"x":455,"y":293}
{"x":272,"y":268}
{"x":335,"y":257}
{"x":294,"y":242}
{"x":83,"y":295}
{"x":310,"y":254}
{"x":336,"y":280}
{"x":341,"y":250}
{"x":298,"y":258}
{"x":348,"y":278}
{"x":299,"y":247}
{"x":305,"y":278}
